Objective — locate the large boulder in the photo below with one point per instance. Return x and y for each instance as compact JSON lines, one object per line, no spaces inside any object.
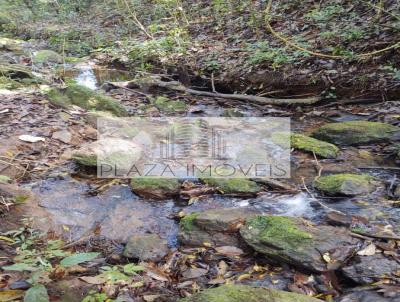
{"x":296,"y":241}
{"x":241,"y":293}
{"x":148,"y":247}
{"x":355,"y":132}
{"x":369,"y":269}
{"x":346,"y":184}
{"x":217,"y":227}
{"x":155,"y":188}
{"x":46,"y":56}
{"x":233,"y":185}
{"x":87,"y":99}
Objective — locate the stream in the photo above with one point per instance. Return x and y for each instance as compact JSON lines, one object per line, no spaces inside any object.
{"x":73,"y":211}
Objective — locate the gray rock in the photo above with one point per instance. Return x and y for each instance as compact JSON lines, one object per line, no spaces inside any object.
{"x":146,"y":247}
{"x":298,"y":242}
{"x":241,"y":293}
{"x":356,"y":132}
{"x":366,"y":296}
{"x":216,"y":227}
{"x":369,"y":269}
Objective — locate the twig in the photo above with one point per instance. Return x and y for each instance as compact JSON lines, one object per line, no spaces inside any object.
{"x":213,"y":83}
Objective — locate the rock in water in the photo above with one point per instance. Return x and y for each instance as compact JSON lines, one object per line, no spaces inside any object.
{"x":296,"y":241}
{"x":369,"y":269}
{"x":233,"y":185}
{"x":156,"y":188}
{"x":149,"y":247}
{"x":214,"y":227}
{"x":241,"y":293}
{"x":346,"y":184}
{"x":355,"y":132}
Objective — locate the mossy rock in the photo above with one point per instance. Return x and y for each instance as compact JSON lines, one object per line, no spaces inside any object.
{"x":346,"y":184}
{"x":46,"y":56}
{"x":305,"y":143}
{"x":168,"y":106}
{"x":233,"y":185}
{"x":312,"y":145}
{"x":297,"y":241}
{"x":7,"y":83}
{"x":216,"y":227}
{"x":156,"y":188}
{"x":15,"y":71}
{"x":114,"y":151}
{"x":241,"y":293}
{"x":355,"y":132}
{"x":10,"y":44}
{"x":87,"y":99}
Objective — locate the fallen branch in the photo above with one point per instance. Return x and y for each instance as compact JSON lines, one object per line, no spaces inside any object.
{"x":177,"y":86}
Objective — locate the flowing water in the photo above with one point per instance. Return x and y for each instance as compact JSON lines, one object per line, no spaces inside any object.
{"x":120,"y":213}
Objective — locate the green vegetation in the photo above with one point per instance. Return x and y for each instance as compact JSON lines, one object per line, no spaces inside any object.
{"x":240,"y":293}
{"x":281,"y":231}
{"x":187,"y":222}
{"x":87,"y":99}
{"x":233,"y":185}
{"x":346,"y":184}
{"x":355,"y":132}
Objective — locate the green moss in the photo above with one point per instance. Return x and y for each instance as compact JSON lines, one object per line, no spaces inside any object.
{"x":91,"y":100}
{"x":355,"y":132}
{"x":233,"y":185}
{"x":333,"y":184}
{"x":15,"y":71}
{"x":279,"y":231}
{"x":21,"y":198}
{"x":7,"y":83}
{"x":309,"y":144}
{"x":187,"y":222}
{"x":85,"y":159}
{"x":240,"y":293}
{"x":150,"y":183}
{"x":87,"y":99}
{"x":169,"y":106}
{"x":46,"y":56}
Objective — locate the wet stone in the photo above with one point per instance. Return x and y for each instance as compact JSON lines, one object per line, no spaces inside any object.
{"x":367,"y":296}
{"x":240,"y":293}
{"x":346,"y":184}
{"x":298,"y":242}
{"x":149,"y":247}
{"x":216,"y":227}
{"x":369,"y":269}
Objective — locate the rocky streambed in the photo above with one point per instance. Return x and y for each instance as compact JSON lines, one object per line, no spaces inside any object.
{"x":330,"y":232}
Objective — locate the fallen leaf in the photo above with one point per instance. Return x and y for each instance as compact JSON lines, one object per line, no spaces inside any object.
{"x":78,"y":258}
{"x":193,"y":273}
{"x":10,"y":295}
{"x":229,"y":250}
{"x":38,"y":293}
{"x":31,"y":139}
{"x":327,"y":258}
{"x":96,"y":280}
{"x":368,"y":251}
